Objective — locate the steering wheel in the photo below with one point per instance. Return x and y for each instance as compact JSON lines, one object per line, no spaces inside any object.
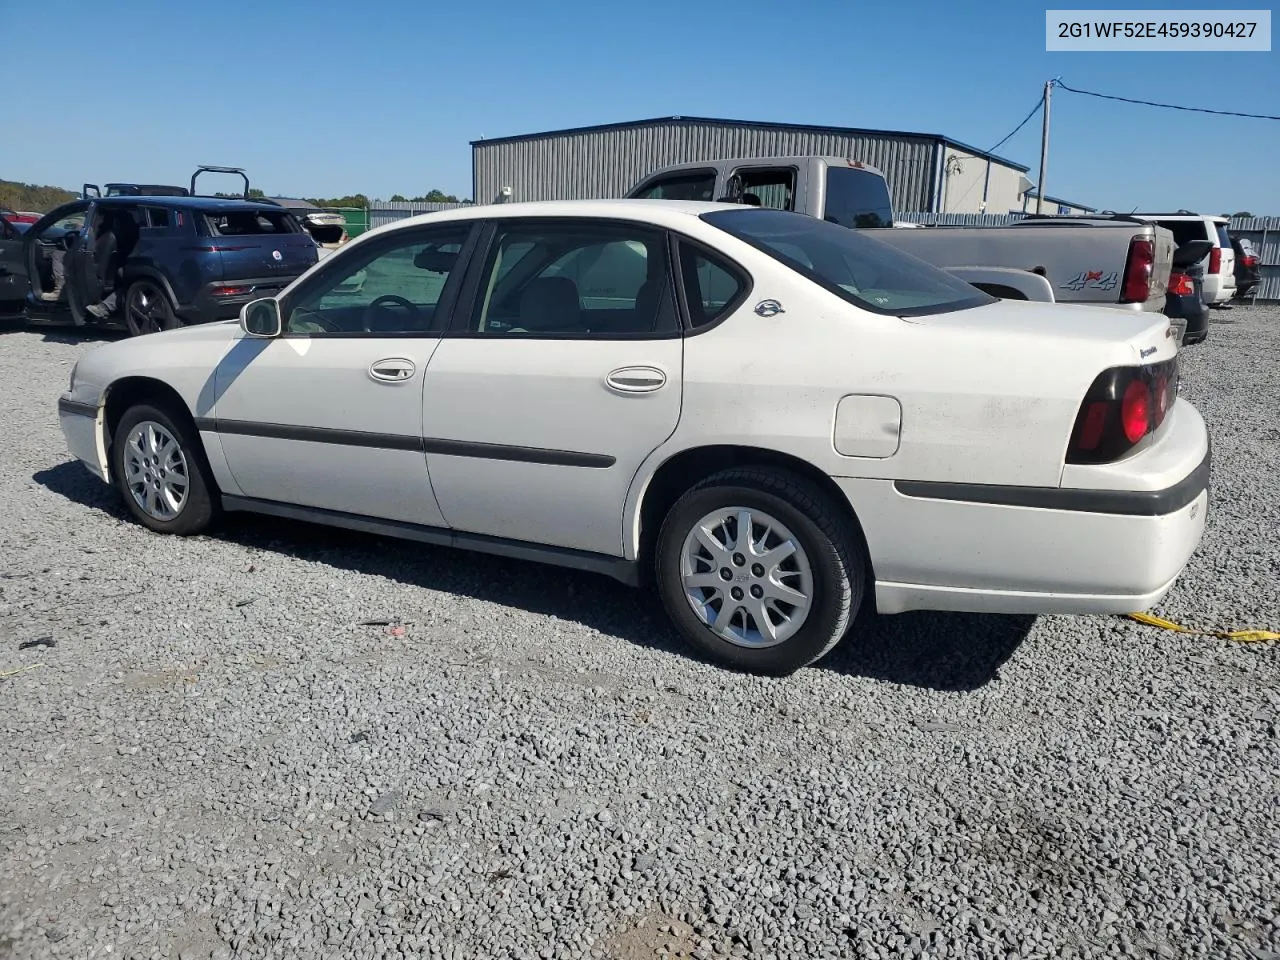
{"x":387,"y":299}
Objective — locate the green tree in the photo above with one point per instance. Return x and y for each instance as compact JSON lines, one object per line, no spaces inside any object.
{"x":436,"y":196}
{"x":398,"y":198}
{"x":33,"y":197}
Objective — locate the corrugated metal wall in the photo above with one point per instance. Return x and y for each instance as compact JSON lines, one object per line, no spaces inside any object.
{"x":387,"y":211}
{"x":607,"y":163}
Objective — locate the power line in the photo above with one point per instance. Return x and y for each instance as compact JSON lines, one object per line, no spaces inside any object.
{"x":1025,"y":120}
{"x":1034,"y":111}
{"x":1167,"y":106}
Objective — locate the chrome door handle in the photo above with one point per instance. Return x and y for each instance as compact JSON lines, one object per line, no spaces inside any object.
{"x":392,"y":370}
{"x":635,"y":380}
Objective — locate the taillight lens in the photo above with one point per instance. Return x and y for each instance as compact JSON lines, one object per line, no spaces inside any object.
{"x":1215,"y":260}
{"x":1250,"y":261}
{"x":1137,"y":271}
{"x":1135,"y":410}
{"x":1124,"y":405}
{"x":1181,"y":285}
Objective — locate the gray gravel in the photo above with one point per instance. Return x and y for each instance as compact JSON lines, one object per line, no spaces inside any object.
{"x":216,"y":755}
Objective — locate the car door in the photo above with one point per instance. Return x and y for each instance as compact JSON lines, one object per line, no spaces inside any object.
{"x":329,"y":414}
{"x":561,"y":376}
{"x":14,"y":279}
{"x":48,"y":250}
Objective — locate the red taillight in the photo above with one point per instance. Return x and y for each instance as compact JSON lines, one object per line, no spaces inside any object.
{"x":1135,"y":410}
{"x":228,"y":291}
{"x":1124,"y":405}
{"x":1095,"y":421}
{"x":1137,"y":271}
{"x":1215,"y":260}
{"x":1250,"y":261}
{"x":1181,"y":285}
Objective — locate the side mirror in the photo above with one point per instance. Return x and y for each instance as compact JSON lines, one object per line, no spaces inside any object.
{"x":261,"y":318}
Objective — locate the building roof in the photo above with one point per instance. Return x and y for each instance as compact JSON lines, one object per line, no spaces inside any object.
{"x":812,"y":128}
{"x":1033,"y":194}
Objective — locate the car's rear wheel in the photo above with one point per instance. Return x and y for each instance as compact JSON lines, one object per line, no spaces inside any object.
{"x":161,"y":472}
{"x":759,"y":569}
{"x":147,"y":309}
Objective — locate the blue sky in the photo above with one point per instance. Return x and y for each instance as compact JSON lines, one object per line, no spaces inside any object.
{"x":317,"y":97}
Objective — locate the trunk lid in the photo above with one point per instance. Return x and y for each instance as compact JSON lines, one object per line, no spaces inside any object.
{"x":1041,"y":331}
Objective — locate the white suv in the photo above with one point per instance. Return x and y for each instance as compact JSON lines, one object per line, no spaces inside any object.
{"x":1220,"y":268}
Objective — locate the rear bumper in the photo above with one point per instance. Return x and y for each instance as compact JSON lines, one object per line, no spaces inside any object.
{"x":209,"y":306}
{"x":1035,"y":550}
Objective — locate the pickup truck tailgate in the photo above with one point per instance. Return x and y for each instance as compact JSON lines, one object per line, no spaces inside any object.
{"x":1083,"y":263}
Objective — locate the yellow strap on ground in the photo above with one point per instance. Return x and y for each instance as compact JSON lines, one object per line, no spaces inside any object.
{"x":1242,"y":636}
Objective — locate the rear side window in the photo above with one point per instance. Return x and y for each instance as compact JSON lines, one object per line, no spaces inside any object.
{"x":241,"y":223}
{"x":712,"y":286}
{"x":857,"y":198}
{"x":157,"y":217}
{"x":1224,"y":238}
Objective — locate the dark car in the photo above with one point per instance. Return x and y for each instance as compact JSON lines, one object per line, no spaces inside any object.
{"x":153,"y":263}
{"x":1184,"y":300}
{"x":1248,"y":276}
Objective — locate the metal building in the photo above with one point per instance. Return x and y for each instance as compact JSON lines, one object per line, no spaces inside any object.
{"x":926,"y":172}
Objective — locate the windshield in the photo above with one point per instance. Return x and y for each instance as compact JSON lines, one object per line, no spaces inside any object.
{"x":853,"y":266}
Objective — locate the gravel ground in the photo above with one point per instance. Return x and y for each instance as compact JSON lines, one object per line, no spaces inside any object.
{"x":214,"y":753}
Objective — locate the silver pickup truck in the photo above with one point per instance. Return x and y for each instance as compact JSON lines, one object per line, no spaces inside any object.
{"x":1112,"y":261}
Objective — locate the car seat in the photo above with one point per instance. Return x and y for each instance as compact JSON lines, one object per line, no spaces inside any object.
{"x":550,"y":305}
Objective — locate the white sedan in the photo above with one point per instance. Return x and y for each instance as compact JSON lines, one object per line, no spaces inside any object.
{"x":770,"y":418}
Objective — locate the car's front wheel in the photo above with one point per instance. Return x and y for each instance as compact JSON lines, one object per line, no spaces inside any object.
{"x":160,"y":471}
{"x":759,"y":569}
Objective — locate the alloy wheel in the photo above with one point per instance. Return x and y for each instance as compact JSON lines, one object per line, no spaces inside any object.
{"x":747,"y":577}
{"x":155,"y":470}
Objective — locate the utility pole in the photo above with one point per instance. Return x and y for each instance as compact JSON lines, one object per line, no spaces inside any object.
{"x":1044,"y":146}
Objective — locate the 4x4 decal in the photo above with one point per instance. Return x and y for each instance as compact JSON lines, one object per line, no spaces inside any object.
{"x":1093,"y":278}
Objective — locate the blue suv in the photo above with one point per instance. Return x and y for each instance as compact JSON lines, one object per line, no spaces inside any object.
{"x":152,"y":263}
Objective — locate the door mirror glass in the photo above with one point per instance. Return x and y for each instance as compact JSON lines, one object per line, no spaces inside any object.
{"x":261,"y":318}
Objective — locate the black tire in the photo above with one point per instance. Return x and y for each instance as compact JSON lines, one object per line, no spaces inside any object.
{"x":825,"y":534}
{"x":199,"y":507}
{"x":147,"y":308}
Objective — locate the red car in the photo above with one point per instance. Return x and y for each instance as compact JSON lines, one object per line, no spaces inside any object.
{"x":15,"y":216}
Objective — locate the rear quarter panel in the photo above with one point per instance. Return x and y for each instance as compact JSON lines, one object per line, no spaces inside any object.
{"x":978,"y":405}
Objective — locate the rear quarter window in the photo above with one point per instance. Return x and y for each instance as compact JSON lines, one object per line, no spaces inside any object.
{"x":1224,"y":238}
{"x":241,"y":223}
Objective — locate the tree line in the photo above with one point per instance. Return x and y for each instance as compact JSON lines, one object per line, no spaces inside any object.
{"x":33,"y":197}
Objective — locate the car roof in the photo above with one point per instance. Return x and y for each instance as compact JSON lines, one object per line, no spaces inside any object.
{"x":206,"y":204}
{"x":1183,"y":216}
{"x":665,"y":212}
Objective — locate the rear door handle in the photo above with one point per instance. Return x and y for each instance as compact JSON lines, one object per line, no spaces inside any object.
{"x":635,"y":380}
{"x":392,"y":370}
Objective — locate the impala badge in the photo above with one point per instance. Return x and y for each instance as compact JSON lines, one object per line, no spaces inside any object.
{"x":275,"y":255}
{"x":1143,"y":354}
{"x":769,"y":308}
